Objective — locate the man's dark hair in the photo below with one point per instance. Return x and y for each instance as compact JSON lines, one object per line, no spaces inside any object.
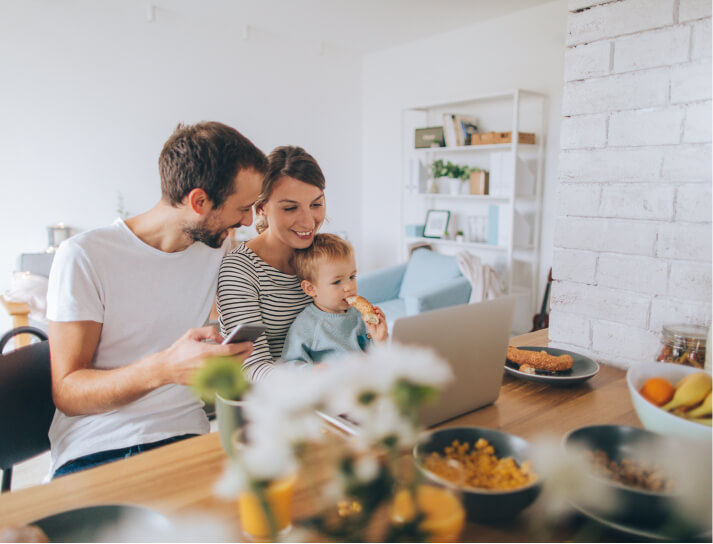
{"x":208,"y":156}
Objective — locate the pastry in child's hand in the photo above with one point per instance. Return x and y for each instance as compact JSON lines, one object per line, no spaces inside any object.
{"x":539,"y":360}
{"x":365,"y":308}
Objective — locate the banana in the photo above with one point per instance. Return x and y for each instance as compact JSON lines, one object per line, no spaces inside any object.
{"x":704,"y":409}
{"x":690,"y":391}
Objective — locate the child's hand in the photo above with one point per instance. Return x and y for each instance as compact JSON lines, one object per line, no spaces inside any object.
{"x":380,"y":331}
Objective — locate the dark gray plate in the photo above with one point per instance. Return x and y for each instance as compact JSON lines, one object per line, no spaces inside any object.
{"x":93,"y":524}
{"x":583,"y":368}
{"x":650,"y":532}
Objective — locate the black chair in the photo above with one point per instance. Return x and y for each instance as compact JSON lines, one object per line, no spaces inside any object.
{"x":26,"y":406}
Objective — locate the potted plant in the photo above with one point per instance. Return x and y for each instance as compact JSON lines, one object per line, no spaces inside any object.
{"x":460,"y":236}
{"x":220,"y":381}
{"x":454,"y":174}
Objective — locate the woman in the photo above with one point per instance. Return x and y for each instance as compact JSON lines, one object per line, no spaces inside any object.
{"x":256,"y":283}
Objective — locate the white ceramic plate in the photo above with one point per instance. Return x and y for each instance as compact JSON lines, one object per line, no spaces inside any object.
{"x":583,"y":368}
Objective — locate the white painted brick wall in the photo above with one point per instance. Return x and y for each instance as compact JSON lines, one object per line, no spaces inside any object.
{"x":632,"y":164}
{"x":639,"y":274}
{"x":587,"y":61}
{"x":571,"y":328}
{"x":697,"y":128}
{"x":637,"y":201}
{"x":693,"y":203}
{"x":618,"y":18}
{"x":646,"y":127}
{"x":690,"y":82}
{"x":701,"y":47}
{"x":583,"y":131}
{"x":690,"y":241}
{"x":633,"y":229}
{"x":673,"y":309}
{"x":601,"y":303}
{"x":576,"y":5}
{"x":625,"y":341}
{"x":645,"y":89}
{"x":652,"y":49}
{"x":618,"y":236}
{"x":691,"y":281}
{"x":689,"y":10}
{"x":686,"y":163}
{"x":573,"y":265}
{"x":582,"y":199}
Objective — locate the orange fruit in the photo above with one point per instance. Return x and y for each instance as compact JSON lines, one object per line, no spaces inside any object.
{"x":658,"y":391}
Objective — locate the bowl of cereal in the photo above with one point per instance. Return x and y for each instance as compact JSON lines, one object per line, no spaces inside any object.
{"x":631,"y":465}
{"x":491,"y":469}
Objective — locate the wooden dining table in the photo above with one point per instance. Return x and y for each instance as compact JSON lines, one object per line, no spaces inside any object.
{"x":179,"y":478}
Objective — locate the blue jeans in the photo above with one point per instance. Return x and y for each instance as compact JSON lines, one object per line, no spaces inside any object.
{"x":103,"y":457}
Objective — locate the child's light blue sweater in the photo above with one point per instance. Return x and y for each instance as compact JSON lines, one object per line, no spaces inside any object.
{"x":315,"y":334}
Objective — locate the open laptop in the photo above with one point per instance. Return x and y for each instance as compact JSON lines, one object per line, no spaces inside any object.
{"x":473,"y":339}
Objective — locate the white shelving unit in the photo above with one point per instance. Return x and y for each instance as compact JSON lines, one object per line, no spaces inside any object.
{"x":516,"y":260}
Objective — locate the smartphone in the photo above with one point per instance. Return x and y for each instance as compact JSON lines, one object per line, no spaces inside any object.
{"x":244,"y":332}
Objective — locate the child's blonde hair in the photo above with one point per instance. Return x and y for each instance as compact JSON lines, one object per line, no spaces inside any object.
{"x":325,"y":246}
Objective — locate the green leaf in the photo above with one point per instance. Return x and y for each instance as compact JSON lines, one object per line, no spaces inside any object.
{"x":222,"y":376}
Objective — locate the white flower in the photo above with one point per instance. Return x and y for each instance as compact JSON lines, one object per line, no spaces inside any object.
{"x":566,"y":479}
{"x":366,"y":468}
{"x":232,"y":482}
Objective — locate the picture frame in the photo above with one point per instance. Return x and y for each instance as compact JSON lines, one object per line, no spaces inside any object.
{"x":436,"y":223}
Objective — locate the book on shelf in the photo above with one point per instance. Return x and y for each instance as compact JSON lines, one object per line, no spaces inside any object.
{"x":465,"y":127}
{"x":458,"y":128}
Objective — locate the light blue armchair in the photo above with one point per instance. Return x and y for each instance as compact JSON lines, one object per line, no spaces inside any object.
{"x":428,"y":281}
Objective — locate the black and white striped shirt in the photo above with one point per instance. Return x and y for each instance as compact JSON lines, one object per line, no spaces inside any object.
{"x":252,"y":291}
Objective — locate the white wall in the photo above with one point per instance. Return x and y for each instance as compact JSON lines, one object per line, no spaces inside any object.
{"x":90,"y":91}
{"x":522,"y":50}
{"x":633,"y":232}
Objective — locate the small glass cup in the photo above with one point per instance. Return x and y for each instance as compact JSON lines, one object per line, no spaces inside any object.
{"x":254,"y":521}
{"x":444,"y":514}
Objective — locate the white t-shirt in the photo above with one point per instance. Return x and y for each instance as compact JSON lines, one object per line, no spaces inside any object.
{"x":146,"y":299}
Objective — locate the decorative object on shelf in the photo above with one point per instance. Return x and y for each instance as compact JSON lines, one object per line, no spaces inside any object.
{"x":414,"y":231}
{"x":429,"y":137}
{"x":455,"y":174}
{"x":488,"y":138}
{"x":56,"y":234}
{"x":478,"y":181}
{"x":460,"y":236}
{"x":458,"y":129}
{"x":436,"y":224}
{"x":478,"y":229}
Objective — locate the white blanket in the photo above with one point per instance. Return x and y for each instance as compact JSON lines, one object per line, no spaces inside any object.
{"x":32,"y":290}
{"x":483,"y":279}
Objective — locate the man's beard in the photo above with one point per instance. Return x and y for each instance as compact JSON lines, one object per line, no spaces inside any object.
{"x":201,"y":233}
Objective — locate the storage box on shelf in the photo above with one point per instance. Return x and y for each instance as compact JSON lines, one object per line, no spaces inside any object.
{"x":504,"y":192}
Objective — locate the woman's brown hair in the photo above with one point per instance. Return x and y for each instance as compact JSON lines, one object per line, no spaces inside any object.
{"x":287,"y":161}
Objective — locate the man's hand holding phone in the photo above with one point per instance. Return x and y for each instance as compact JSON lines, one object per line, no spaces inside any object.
{"x":190,"y":351}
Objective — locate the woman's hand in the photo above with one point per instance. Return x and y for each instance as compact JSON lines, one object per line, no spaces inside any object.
{"x":380,"y":331}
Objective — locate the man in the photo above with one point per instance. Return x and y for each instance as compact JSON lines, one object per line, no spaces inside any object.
{"x":127,"y":302}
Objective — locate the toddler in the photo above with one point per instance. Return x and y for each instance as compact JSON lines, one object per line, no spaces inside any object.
{"x":329,"y":325}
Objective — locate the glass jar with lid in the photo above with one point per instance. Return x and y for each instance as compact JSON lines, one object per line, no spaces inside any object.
{"x":684,"y":345}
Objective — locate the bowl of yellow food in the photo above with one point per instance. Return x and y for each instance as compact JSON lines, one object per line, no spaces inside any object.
{"x":490,"y":469}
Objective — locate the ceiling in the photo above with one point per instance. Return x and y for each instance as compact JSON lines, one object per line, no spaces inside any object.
{"x":363,"y":26}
